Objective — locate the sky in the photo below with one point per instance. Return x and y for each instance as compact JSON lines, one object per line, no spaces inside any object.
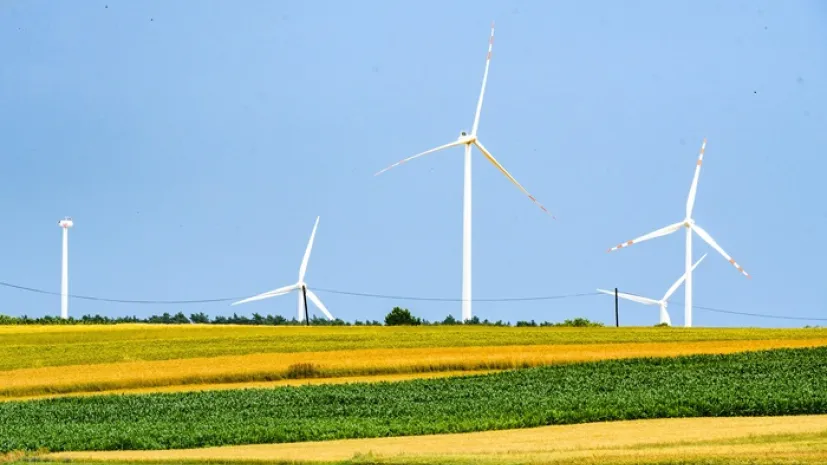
{"x":194,"y":145}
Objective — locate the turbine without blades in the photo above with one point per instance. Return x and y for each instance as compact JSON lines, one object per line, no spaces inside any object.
{"x":301,"y":286}
{"x":662,"y":303}
{"x":469,"y":140}
{"x":690,"y":226}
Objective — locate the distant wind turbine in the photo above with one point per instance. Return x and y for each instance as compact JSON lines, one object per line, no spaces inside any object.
{"x":300,"y":285}
{"x":690,"y":226}
{"x":662,"y":303}
{"x":468,"y":140}
{"x":65,"y":224}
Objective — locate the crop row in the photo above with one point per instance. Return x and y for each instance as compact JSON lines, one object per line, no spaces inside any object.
{"x":776,"y":382}
{"x":30,"y":347}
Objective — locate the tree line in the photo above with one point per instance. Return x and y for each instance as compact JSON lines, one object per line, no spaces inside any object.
{"x":397,"y":317}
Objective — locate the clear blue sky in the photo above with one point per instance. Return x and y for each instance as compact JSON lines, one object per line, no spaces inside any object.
{"x":194,"y":143}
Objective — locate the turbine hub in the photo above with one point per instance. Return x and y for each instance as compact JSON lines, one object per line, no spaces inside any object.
{"x":466,"y":138}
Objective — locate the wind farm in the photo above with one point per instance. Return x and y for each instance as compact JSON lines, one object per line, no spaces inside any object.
{"x":196,"y":145}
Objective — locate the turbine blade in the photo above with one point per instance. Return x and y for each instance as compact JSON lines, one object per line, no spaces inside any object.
{"x":437,"y":149}
{"x":268,"y":294}
{"x":660,"y":232}
{"x":306,"y":258}
{"x":508,"y":175}
{"x":634,"y":298}
{"x":709,"y":240}
{"x":484,"y":82}
{"x":693,"y":190}
{"x":681,"y":280}
{"x":316,"y":301}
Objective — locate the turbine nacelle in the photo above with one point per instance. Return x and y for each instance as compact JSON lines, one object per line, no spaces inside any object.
{"x":465,"y":138}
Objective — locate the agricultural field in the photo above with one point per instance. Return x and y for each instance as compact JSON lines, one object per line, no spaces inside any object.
{"x":734,"y":440}
{"x":370,"y":393}
{"x":42,"y":346}
{"x":52,"y":361}
{"x":764,"y":383}
{"x":336,"y":365}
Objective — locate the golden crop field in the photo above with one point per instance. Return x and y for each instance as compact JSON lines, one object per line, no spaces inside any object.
{"x":791,"y":439}
{"x":226,"y":370}
{"x":46,"y":346}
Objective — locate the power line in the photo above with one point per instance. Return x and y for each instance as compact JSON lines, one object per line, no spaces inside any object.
{"x":449,"y":299}
{"x":331,"y":291}
{"x":759,"y":315}
{"x":123,"y":301}
{"x":387,"y":297}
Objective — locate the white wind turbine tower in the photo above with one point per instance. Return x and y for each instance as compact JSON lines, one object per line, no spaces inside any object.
{"x":690,"y":226}
{"x":65,"y":224}
{"x":662,"y":303}
{"x":468,"y":140}
{"x":300,"y":285}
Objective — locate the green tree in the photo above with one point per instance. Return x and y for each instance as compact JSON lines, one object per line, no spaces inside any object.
{"x":401,"y":316}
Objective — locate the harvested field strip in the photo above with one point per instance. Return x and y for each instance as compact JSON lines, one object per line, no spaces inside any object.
{"x":768,"y":383}
{"x":638,"y":441}
{"x":273,"y":367}
{"x":42,"y":346}
{"x":260,"y":384}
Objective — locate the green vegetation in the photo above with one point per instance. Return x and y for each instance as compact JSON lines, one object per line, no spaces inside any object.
{"x":401,"y":317}
{"x":778,"y":382}
{"x":40,"y":346}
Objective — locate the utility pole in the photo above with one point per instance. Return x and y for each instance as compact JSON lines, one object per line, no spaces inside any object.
{"x":617,"y":318}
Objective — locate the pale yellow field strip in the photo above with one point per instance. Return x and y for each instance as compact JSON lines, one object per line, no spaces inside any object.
{"x":277,"y":366}
{"x":261,"y":384}
{"x":641,"y":439}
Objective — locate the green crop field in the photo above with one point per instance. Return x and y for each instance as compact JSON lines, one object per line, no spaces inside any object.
{"x":41,"y":346}
{"x":777,"y":382}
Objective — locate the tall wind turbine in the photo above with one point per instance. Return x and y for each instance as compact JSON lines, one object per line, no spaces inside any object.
{"x":301,"y":286}
{"x":468,"y":140}
{"x":690,"y":226}
{"x":65,"y":224}
{"x":662,"y":303}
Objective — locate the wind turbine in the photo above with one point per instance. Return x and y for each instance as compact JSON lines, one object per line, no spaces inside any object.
{"x":300,"y":285}
{"x":468,"y":140}
{"x":690,"y":226}
{"x":65,"y":224}
{"x":664,"y":315}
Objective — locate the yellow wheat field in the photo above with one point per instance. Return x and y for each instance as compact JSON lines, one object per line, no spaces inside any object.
{"x":344,"y":363}
{"x":260,"y":384}
{"x":775,"y":439}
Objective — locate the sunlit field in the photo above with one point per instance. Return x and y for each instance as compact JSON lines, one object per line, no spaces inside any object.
{"x":764,"y":383}
{"x":40,"y":346}
{"x":740,"y":440}
{"x":88,"y":359}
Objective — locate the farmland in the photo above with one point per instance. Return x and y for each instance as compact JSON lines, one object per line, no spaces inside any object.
{"x":766,"y":383}
{"x":753,"y":440}
{"x":331,"y":365}
{"x":43,"y":346}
